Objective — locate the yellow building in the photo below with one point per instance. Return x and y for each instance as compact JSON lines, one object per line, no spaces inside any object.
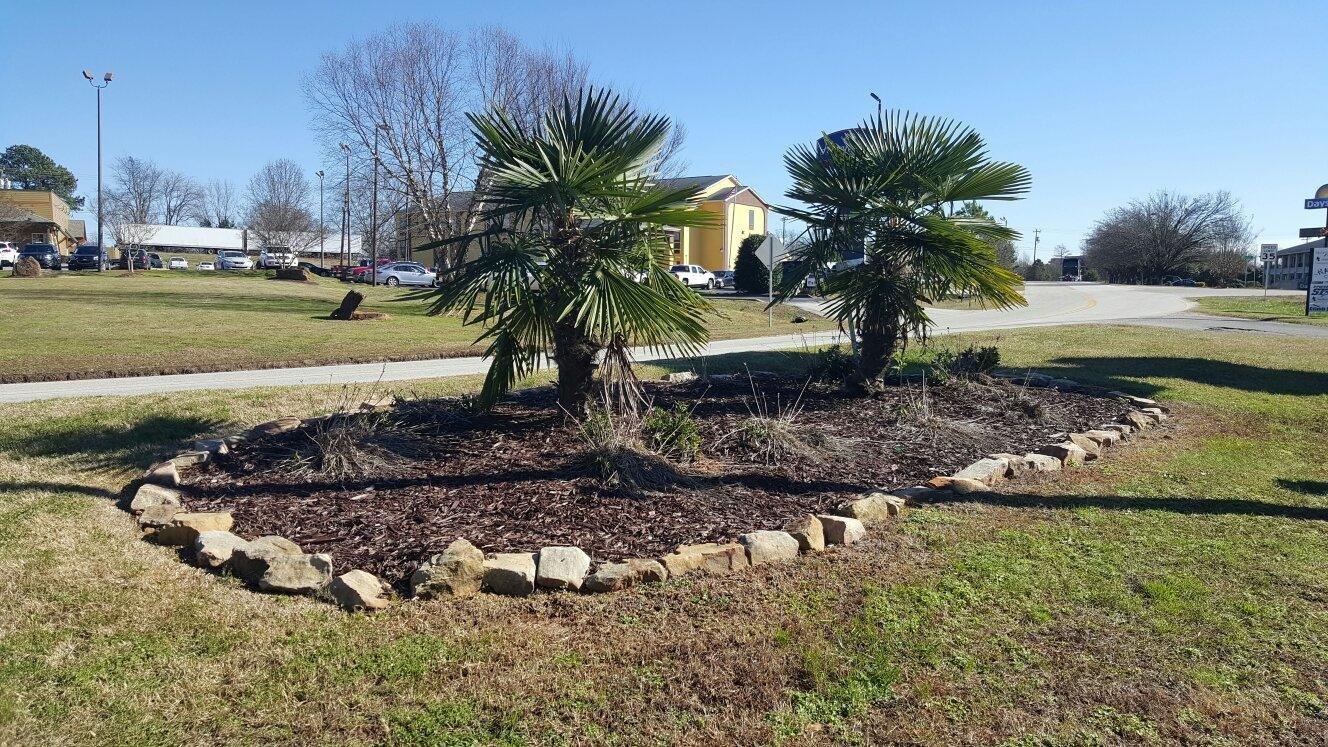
{"x":32,"y":216}
{"x":739,"y":212}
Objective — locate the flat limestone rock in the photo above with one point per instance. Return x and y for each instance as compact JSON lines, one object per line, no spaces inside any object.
{"x":1137,"y":420}
{"x":274,"y":427}
{"x":251,"y":561}
{"x":458,"y":571}
{"x":647,"y":571}
{"x":610,"y":577}
{"x":561,"y":568}
{"x":874,"y":508}
{"x":297,"y":574}
{"x":213,"y":549}
{"x":680,"y":377}
{"x":153,"y":518}
{"x":511,"y":574}
{"x":710,"y":556}
{"x":769,"y":547}
{"x":988,"y":471}
{"x":967,"y":486}
{"x":1042,"y":463}
{"x":163,"y":473}
{"x":1067,"y":452}
{"x":185,"y":527}
{"x":149,"y":495}
{"x":1103,"y":438}
{"x":1092,"y":449}
{"x":359,"y":590}
{"x":190,"y":458}
{"x":842,"y":530}
{"x":808,"y":532}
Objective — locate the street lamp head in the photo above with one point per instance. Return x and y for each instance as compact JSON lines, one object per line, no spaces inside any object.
{"x":1322,"y":193}
{"x":344,"y":147}
{"x":87,"y":74}
{"x":319,"y":173}
{"x":873,"y":95}
{"x":109,"y":77}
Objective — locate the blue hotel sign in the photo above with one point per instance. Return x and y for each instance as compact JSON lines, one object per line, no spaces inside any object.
{"x":1315,"y":203}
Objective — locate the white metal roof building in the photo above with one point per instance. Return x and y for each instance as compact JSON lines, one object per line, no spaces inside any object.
{"x":199,"y":239}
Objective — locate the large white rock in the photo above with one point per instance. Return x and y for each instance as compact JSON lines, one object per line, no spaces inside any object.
{"x":1066,"y":452}
{"x":164,"y":473}
{"x":562,"y":568}
{"x":875,"y":508}
{"x":1042,"y":463}
{"x":1092,"y":449}
{"x":185,"y":527}
{"x":359,"y":590}
{"x":213,"y":549}
{"x":510,"y":574}
{"x":841,"y":530}
{"x":718,"y":557}
{"x":767,"y":546}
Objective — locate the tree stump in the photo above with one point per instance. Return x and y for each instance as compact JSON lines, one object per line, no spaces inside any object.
{"x":348,"y":306}
{"x":27,"y":268}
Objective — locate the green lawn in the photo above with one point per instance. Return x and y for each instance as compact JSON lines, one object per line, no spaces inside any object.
{"x":1174,"y":593}
{"x":1275,"y":308}
{"x":80,"y":325}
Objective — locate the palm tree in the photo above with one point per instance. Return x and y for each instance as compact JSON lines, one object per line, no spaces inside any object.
{"x":572,"y":255}
{"x":886,"y":191}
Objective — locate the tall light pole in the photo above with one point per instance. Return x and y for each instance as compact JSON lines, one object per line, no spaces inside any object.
{"x":344,"y":245}
{"x":322,"y":232}
{"x":878,"y":106}
{"x":373,"y":207}
{"x":101,"y":248}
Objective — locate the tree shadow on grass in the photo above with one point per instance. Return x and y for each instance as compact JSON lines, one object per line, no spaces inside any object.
{"x":8,"y":487}
{"x":101,"y":445}
{"x":1105,"y":372}
{"x":1188,"y":506}
{"x":1308,"y":487}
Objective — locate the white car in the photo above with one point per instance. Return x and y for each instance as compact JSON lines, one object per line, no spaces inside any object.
{"x":177,"y":263}
{"x":233,"y":259}
{"x":694,"y":276}
{"x":405,"y":273}
{"x":274,"y":257}
{"x":8,"y":253}
{"x":206,"y":266}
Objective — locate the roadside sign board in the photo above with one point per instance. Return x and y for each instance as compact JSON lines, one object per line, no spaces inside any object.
{"x":1316,"y":203}
{"x":1268,"y":252}
{"x":1318,"y":290}
{"x":1313,"y":233}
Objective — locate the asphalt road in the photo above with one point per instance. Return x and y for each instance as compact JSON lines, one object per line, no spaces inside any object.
{"x":1048,"y":304}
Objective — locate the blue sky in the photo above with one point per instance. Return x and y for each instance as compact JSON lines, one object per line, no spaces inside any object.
{"x":1103,"y":102}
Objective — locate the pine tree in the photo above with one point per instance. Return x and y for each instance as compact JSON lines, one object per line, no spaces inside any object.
{"x":750,"y":274}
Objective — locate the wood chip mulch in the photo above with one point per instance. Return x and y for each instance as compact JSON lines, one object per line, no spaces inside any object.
{"x":513,"y":480}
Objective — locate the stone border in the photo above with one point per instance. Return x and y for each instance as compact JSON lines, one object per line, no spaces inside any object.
{"x":277,"y":565}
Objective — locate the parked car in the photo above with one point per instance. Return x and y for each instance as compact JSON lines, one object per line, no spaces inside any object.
{"x":155,"y":261}
{"x":724,"y":278}
{"x":693,"y":276}
{"x":89,"y":257}
{"x":406,"y":273}
{"x":233,"y":259}
{"x":47,"y":255}
{"x":177,"y":263}
{"x":139,"y":257}
{"x":8,"y":253}
{"x":206,"y":266}
{"x":361,"y":273}
{"x":273,"y":257}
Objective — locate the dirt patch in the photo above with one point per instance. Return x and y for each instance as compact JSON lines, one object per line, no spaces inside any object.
{"x":513,"y":479}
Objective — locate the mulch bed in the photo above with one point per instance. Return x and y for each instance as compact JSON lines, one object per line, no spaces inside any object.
{"x":513,"y":480}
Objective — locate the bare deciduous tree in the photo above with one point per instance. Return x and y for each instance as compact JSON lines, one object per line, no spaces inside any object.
{"x":181,"y":197}
{"x":1165,"y":234}
{"x":278,"y":206}
{"x":135,"y":192}
{"x":219,"y":208}
{"x":419,"y":80}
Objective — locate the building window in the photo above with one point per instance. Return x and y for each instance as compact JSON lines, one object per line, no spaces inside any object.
{"x":751,"y":220}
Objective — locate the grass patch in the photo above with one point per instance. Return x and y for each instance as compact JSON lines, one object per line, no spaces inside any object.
{"x":1173,"y":593}
{"x":82,"y":325}
{"x":1274,"y":309}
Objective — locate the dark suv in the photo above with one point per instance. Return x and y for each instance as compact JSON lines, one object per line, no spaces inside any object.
{"x":47,"y":255}
{"x":141,"y":259}
{"x":88,"y":257}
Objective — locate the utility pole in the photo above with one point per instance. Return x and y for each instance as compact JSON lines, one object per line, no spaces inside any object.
{"x":373,"y":208}
{"x":1037,"y":235}
{"x":344,"y":244}
{"x":322,"y":230}
{"x":101,"y":248}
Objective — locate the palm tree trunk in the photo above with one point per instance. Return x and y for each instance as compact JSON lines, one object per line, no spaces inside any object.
{"x":575,"y":354}
{"x":877,"y":343}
